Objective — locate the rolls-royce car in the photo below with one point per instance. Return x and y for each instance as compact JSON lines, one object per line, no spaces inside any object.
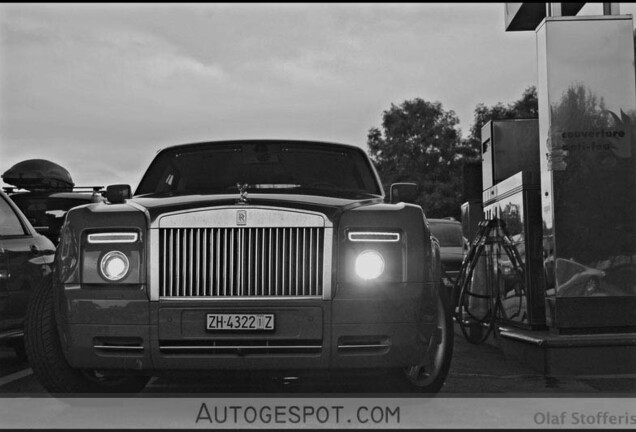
{"x":244,"y":256}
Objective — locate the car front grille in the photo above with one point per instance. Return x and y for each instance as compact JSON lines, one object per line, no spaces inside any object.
{"x":241,"y":262}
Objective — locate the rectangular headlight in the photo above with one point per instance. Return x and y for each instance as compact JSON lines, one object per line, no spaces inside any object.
{"x":113,"y":237}
{"x":370,"y":236}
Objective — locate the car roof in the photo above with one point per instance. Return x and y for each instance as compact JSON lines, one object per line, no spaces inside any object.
{"x":257,"y":141}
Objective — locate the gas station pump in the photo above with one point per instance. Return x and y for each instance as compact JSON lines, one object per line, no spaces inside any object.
{"x":509,"y":267}
{"x":587,"y":106}
{"x":560,"y":197}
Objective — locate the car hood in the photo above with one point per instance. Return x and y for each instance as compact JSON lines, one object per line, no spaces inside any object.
{"x":156,"y":206}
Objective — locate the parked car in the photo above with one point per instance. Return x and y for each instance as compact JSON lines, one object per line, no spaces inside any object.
{"x":46,"y":210}
{"x":44,"y":191}
{"x":453,"y":244}
{"x":259,"y":255}
{"x":26,"y":258}
{"x":577,"y":280}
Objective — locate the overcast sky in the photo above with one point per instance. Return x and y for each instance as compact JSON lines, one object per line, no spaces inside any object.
{"x":99,"y":88}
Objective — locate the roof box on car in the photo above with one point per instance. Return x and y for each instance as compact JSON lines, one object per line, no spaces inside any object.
{"x":38,"y":174}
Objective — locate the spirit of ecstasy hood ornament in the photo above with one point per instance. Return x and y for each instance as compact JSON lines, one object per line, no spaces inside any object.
{"x":243,"y":191}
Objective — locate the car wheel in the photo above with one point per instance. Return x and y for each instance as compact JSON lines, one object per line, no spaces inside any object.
{"x":44,"y":350}
{"x":429,"y":374}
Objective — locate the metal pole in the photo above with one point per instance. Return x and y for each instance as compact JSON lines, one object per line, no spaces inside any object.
{"x":553,"y":9}
{"x":611,"y":9}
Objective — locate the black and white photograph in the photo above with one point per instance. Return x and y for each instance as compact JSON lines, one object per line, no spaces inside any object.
{"x":317,"y":216}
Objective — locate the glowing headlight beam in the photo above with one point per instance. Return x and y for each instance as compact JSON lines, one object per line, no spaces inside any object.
{"x":369,"y":265}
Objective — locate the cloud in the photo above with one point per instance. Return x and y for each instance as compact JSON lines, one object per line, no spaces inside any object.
{"x":83,"y":96}
{"x":93,"y":82}
{"x":101,"y":92}
{"x":87,"y":68}
{"x":150,"y":57}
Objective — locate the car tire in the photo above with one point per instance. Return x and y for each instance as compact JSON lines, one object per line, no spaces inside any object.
{"x":418,"y":378}
{"x":44,"y":350}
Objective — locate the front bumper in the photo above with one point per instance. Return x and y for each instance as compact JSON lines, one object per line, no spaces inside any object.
{"x":119,"y":328}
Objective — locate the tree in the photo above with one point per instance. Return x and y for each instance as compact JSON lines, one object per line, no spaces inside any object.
{"x":526,"y":107}
{"x":420,"y":142}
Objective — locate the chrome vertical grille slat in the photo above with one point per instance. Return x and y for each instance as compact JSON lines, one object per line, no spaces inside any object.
{"x":231,"y":266}
{"x":249,"y":263}
{"x":276,"y":259}
{"x":269,"y":285}
{"x":304,"y":261}
{"x":311,"y":263}
{"x":217,"y":267}
{"x":191,"y":261}
{"x":241,"y":251}
{"x":241,"y":262}
{"x":257,"y":268}
{"x":178,"y":263}
{"x":297,"y":268}
{"x":164,"y":257}
{"x":263,"y":267}
{"x":224,"y":259}
{"x":204,"y":259}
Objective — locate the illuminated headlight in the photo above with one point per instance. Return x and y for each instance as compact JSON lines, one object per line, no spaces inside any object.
{"x":114,"y":265}
{"x":369,"y":265}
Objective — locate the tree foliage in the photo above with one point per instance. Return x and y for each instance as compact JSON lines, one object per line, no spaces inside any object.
{"x":526,"y":107}
{"x":421,"y":142}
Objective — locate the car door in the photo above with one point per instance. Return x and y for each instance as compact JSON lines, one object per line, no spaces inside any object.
{"x":18,"y":249}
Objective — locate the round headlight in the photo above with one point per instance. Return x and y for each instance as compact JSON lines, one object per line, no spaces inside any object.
{"x":114,"y":265}
{"x":369,"y":265}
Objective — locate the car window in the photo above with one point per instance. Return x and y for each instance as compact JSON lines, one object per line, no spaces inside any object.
{"x":10,"y":224}
{"x":447,"y":234}
{"x":266,"y":167}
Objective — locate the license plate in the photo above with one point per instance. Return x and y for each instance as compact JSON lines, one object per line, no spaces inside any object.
{"x":240,"y":322}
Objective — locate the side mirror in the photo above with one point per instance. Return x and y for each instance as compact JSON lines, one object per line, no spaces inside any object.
{"x":117,"y":194}
{"x":404,"y":192}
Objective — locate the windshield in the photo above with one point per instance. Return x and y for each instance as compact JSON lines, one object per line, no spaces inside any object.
{"x":447,"y":234}
{"x":267,"y":167}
